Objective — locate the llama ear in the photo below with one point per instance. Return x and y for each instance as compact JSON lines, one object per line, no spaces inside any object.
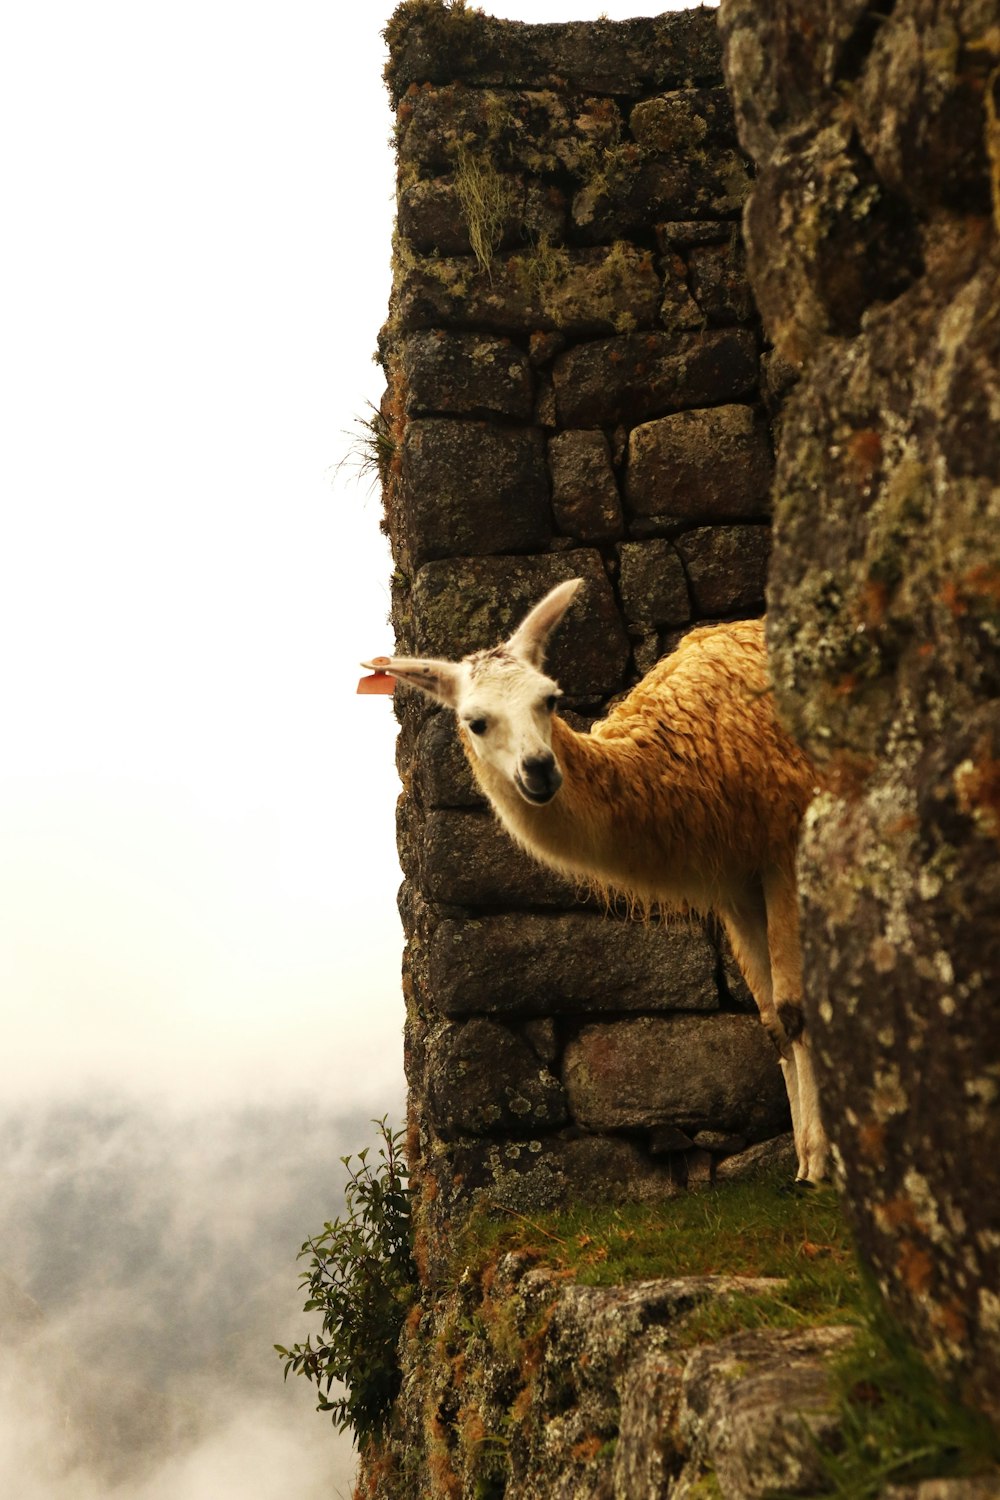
{"x":531,"y":637}
{"x":439,"y":679}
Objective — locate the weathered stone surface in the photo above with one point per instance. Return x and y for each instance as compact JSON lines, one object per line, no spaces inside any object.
{"x":758,"y":1159}
{"x":578,"y":292}
{"x":585,"y":500}
{"x":726,"y":567}
{"x":683,"y":121}
{"x":775,"y":66}
{"x":621,"y":57}
{"x":678,"y":310}
{"x":754,"y":1406}
{"x":979,"y":1487}
{"x":473,"y":487}
{"x":631,"y":190}
{"x":884,"y":633}
{"x":719,"y":282}
{"x":547,"y":1171}
{"x":440,"y":768}
{"x":652,"y":584}
{"x":468,"y":860}
{"x":920,"y":103}
{"x":542,"y":965}
{"x":463,"y":605}
{"x":432,"y":216}
{"x":483,"y":1080}
{"x":630,"y":379}
{"x":695,"y":1072}
{"x":468,"y":374}
{"x":681,"y":233}
{"x":645,"y":1460}
{"x":536,"y":130}
{"x":701,"y":465}
{"x":857,"y":245}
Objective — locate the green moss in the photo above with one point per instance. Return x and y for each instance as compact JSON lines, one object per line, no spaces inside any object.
{"x":448,"y":23}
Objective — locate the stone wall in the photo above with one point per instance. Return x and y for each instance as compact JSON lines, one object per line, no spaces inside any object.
{"x":874,"y":243}
{"x":575,"y":388}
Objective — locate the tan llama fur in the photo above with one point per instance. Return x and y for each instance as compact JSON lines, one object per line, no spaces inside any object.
{"x":688,"y":795}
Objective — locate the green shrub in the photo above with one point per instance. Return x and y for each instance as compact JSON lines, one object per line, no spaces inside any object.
{"x":362,"y":1278}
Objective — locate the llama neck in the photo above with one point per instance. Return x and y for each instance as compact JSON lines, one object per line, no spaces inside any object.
{"x":578,"y":832}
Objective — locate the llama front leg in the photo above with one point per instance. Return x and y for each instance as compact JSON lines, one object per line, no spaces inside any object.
{"x":786,"y":978}
{"x":745,"y":921}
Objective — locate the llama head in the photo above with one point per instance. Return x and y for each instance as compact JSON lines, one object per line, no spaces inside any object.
{"x":502,"y":698}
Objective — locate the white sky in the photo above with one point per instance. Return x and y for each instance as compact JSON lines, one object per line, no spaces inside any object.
{"x":197,"y":856}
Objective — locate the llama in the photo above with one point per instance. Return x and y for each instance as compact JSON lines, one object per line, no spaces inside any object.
{"x":687,"y":796}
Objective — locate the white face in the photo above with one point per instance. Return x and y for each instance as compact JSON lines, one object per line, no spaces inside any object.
{"x":503,"y":699}
{"x":506,"y":708}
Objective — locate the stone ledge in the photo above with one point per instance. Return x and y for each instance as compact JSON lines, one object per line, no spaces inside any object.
{"x":551,"y":965}
{"x":433,"y":44}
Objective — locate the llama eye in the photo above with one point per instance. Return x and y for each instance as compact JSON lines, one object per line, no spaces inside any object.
{"x":551,"y":702}
{"x":477,"y":726}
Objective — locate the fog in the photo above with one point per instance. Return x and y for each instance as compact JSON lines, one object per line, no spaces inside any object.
{"x":199,"y":950}
{"x":150,"y":1266}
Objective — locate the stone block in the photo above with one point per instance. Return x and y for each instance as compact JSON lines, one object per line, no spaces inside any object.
{"x":633,"y":378}
{"x":432,"y":216}
{"x":549,"y":1172}
{"x":468,"y":860}
{"x":684,"y":121}
{"x":441,"y":44}
{"x":551,"y":965}
{"x":466,"y":374}
{"x":756,"y":1408}
{"x":585,"y":500}
{"x":704,"y":464}
{"x":726,"y":567}
{"x":577,"y":292}
{"x":440,"y":769}
{"x":481,"y":1079}
{"x":678,"y":234}
{"x":713,"y":1072}
{"x":645,"y":1459}
{"x":652,"y":584}
{"x":765,"y":1157}
{"x":633,"y":191}
{"x":473,"y":488}
{"x":717,"y":275}
{"x":678,"y":310}
{"x":466,"y":604}
{"x":530,"y":130}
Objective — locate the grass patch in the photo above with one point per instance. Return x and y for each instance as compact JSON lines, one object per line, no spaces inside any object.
{"x":734,"y":1229}
{"x":899,"y":1424}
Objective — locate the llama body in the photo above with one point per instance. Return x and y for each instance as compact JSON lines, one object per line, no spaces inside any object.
{"x":688,"y":795}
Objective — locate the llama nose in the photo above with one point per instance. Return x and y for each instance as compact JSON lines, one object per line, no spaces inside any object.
{"x":540,"y":777}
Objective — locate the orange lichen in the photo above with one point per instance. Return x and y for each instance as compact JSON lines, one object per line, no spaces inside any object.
{"x":950,"y":1318}
{"x":916,"y":1268}
{"x":958,"y":595}
{"x":977,"y":786}
{"x":586,"y":1450}
{"x":871,"y":1141}
{"x":873,"y":601}
{"x":894,"y":1213}
{"x":864,"y":453}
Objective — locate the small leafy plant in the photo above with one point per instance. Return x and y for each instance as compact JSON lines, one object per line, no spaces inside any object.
{"x":362,"y":1278}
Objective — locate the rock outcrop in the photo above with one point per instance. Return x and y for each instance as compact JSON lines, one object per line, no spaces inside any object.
{"x":873,"y":250}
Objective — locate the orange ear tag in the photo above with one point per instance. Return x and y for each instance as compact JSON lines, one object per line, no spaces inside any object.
{"x":379,"y":681}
